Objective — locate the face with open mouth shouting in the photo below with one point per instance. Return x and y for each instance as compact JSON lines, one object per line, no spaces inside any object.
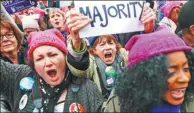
{"x":57,"y":20}
{"x":50,"y":64}
{"x":179,"y":77}
{"x":106,"y":50}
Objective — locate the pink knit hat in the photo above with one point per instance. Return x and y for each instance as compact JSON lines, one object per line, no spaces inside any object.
{"x":167,"y":8}
{"x":144,"y":46}
{"x":50,"y":37}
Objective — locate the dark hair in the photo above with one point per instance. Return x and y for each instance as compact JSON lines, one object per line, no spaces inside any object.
{"x":190,"y":89}
{"x":142,"y":86}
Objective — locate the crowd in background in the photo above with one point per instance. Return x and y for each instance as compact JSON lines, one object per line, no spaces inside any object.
{"x":47,"y":67}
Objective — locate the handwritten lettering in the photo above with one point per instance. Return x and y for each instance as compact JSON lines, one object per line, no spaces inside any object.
{"x":114,"y":11}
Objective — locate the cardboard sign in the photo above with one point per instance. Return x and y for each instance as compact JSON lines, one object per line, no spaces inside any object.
{"x":13,"y":6}
{"x":110,"y":17}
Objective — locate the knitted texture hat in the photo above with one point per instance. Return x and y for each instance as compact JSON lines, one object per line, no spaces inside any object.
{"x":30,"y":22}
{"x":167,"y":8}
{"x":50,"y":37}
{"x":144,"y":46}
{"x":186,"y":15}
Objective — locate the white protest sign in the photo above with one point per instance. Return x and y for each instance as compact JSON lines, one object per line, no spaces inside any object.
{"x":110,"y":17}
{"x":65,"y":3}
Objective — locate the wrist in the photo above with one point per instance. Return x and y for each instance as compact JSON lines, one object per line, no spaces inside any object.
{"x":76,"y":43}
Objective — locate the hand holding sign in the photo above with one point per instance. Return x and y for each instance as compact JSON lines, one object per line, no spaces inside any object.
{"x":148,"y":14}
{"x":110,"y":17}
{"x":75,"y":22}
{"x":148,"y":18}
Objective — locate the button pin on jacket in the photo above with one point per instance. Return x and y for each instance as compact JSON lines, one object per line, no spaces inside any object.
{"x":76,"y":108}
{"x":26,"y":83}
{"x":23,"y":102}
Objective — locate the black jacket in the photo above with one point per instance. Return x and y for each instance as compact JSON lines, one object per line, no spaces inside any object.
{"x":5,"y":106}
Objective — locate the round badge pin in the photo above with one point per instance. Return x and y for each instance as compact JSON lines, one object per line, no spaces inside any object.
{"x":26,"y":83}
{"x":76,"y":107}
{"x":23,"y":102}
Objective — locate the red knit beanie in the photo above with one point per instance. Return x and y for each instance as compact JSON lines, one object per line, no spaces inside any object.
{"x":50,"y":37}
{"x":144,"y":46}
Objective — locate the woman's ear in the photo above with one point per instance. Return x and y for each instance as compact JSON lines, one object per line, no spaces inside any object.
{"x":93,"y":50}
{"x":191,"y":28}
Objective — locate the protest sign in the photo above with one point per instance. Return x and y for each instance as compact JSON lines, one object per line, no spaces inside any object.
{"x":65,"y":3}
{"x":13,"y":6}
{"x":110,"y":17}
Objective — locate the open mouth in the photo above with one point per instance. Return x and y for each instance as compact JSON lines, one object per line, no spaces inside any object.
{"x":178,"y":93}
{"x":52,"y":73}
{"x":57,"y":23}
{"x":108,"y":55}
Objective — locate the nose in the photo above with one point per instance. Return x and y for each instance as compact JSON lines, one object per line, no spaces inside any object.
{"x":48,"y":62}
{"x":107,"y":46}
{"x":56,"y":18}
{"x":184,"y":77}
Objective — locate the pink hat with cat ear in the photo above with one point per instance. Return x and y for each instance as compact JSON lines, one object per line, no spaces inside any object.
{"x":142,"y":47}
{"x":48,"y":37}
{"x":168,"y":6}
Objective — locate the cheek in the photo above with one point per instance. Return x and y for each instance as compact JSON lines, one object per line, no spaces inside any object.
{"x":99,"y":51}
{"x":62,"y":63}
{"x":39,"y":68}
{"x":51,"y":21}
{"x":1,"y":44}
{"x":166,"y":96}
{"x":171,"y":82}
{"x":15,"y":43}
{"x":61,"y":18}
{"x":113,"y":47}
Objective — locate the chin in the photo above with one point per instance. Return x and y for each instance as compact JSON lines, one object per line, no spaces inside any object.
{"x":54,"y":83}
{"x":176,"y":102}
{"x":8,"y":51}
{"x":109,"y":62}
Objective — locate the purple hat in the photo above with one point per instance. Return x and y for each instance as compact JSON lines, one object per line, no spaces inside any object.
{"x":167,"y":8}
{"x":144,"y":46}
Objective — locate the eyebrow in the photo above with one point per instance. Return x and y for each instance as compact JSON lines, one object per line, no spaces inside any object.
{"x":50,"y":52}
{"x":175,"y":66}
{"x":39,"y":55}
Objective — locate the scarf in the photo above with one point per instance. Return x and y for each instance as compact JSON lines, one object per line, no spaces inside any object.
{"x":167,"y":108}
{"x":117,"y":65}
{"x":46,"y":96}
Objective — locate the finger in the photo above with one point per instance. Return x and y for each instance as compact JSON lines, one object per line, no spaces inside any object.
{"x":73,"y":18}
{"x":149,"y":18}
{"x":72,"y":13}
{"x":146,"y":6}
{"x":76,"y":18}
{"x":80,"y":26}
{"x":148,"y":10}
{"x":147,"y":14}
{"x":74,"y":24}
{"x":77,"y":22}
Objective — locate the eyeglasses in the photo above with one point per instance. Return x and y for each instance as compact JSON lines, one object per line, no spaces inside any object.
{"x":8,"y":36}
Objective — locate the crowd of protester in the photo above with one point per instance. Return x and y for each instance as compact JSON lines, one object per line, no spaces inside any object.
{"x":47,"y":67}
